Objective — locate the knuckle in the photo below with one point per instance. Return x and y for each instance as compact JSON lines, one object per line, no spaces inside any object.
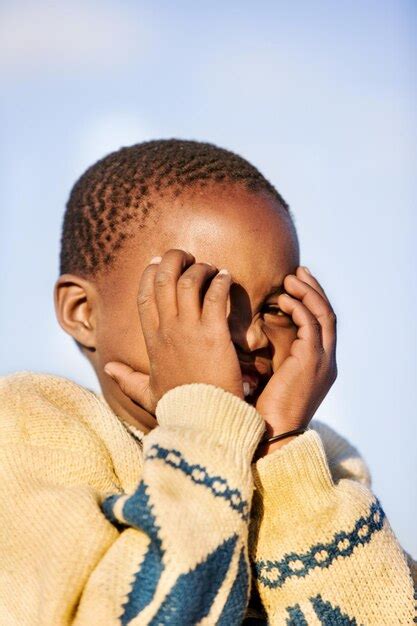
{"x":316,"y":351}
{"x":322,"y":356}
{"x":213,"y":296}
{"x":172,"y":252}
{"x":166,"y":337}
{"x":175,"y":253}
{"x":163,"y":278}
{"x":288,"y":281}
{"x":123,"y":386}
{"x":210,"y":342}
{"x":205,"y":266}
{"x":316,"y":355}
{"x":144,"y":299}
{"x":331,"y":316}
{"x":315,"y":325}
{"x":194,"y":275}
{"x":187,"y":281}
{"x":317,"y":362}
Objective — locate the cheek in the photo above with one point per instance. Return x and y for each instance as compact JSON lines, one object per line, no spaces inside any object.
{"x":121,"y":338}
{"x":282,"y":339}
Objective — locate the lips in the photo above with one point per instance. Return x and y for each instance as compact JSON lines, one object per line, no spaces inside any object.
{"x":248,"y":387}
{"x":251,"y":378}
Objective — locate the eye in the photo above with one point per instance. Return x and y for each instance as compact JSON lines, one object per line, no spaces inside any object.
{"x":273,"y":309}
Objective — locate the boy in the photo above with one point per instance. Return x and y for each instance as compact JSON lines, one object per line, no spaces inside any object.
{"x":134,"y":506}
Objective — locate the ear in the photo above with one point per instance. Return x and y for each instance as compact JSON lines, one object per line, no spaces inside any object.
{"x":75,"y":302}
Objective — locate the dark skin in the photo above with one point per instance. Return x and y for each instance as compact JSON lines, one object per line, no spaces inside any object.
{"x":290,"y":339}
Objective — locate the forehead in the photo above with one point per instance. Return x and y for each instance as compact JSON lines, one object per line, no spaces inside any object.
{"x":247,"y":232}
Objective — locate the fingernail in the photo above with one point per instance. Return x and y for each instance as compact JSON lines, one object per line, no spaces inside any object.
{"x":156,"y":259}
{"x":224,"y":271}
{"x":306,"y":269}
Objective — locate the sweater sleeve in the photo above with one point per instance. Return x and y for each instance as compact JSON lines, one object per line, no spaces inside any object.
{"x":172,"y":552}
{"x":321,"y":546}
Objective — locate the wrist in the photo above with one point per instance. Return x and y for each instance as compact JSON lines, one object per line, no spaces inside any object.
{"x":217,"y":420}
{"x":264,"y":449}
{"x":297,"y":479}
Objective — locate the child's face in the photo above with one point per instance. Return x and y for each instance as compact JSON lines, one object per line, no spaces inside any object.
{"x":246,"y":232}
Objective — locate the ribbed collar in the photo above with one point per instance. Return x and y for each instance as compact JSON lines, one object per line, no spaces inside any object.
{"x":136,"y":433}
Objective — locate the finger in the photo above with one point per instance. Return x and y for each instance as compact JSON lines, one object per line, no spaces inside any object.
{"x":190,"y":288}
{"x":318,"y":306}
{"x":311,"y":280}
{"x":146,"y":303}
{"x":132,"y":383}
{"x":165,"y":283}
{"x":215,"y":299}
{"x":309,"y":329}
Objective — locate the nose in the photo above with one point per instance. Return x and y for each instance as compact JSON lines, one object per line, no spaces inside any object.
{"x":250,"y":340}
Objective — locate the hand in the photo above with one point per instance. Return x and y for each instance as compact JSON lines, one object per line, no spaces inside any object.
{"x":299,"y":385}
{"x":186,"y":341}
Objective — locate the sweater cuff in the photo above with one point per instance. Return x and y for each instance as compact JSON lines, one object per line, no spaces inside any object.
{"x":213,"y":414}
{"x":296,"y":476}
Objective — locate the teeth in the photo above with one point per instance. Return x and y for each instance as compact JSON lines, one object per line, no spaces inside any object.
{"x":246,"y":388}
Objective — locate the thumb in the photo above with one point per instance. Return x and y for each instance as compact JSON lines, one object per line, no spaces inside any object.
{"x":133,"y":384}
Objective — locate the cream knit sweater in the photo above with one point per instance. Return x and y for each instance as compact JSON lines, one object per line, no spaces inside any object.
{"x":103,"y":525}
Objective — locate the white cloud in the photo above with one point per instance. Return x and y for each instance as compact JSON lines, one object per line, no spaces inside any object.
{"x":39,"y":36}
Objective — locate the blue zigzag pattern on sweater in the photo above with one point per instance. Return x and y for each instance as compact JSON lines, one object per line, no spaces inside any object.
{"x":274,"y":573}
{"x":192,"y":596}
{"x":200,"y":475}
{"x":296,"y":616}
{"x":328,"y":615}
{"x":107,"y":507}
{"x":137,"y":512}
{"x":180,"y":607}
{"x":234,"y":608}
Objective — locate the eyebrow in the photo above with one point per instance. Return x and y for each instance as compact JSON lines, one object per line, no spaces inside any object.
{"x":275,"y":290}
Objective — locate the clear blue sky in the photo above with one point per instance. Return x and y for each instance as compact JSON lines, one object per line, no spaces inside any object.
{"x":321,"y":96}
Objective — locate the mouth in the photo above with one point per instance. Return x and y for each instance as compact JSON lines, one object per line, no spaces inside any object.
{"x":250,"y":384}
{"x":253,"y":383}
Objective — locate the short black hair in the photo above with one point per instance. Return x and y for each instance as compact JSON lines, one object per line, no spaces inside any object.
{"x":115,"y":196}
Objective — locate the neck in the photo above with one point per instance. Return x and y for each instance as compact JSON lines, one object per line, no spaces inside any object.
{"x":138,"y":417}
